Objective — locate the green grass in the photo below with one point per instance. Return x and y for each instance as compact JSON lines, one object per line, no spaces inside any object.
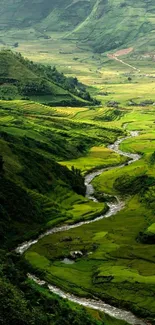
{"x":151,"y":229}
{"x":97,"y":157}
{"x":87,"y":211}
{"x":120,"y":274}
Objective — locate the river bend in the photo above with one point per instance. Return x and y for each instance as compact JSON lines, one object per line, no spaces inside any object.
{"x":114,"y":207}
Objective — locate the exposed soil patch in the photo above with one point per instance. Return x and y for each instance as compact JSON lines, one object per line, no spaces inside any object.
{"x":120,"y":53}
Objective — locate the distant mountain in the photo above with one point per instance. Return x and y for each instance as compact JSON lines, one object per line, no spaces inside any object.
{"x":53,"y":15}
{"x":103,"y":24}
{"x":23,"y":79}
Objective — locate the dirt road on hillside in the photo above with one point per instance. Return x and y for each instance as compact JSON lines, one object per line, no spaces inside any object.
{"x":115,"y":56}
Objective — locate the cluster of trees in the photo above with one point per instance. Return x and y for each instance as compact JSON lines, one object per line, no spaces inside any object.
{"x":35,"y":87}
{"x":43,"y":82}
{"x":49,"y":73}
{"x":78,"y":181}
{"x":68,"y":83}
{"x":8,"y":91}
{"x":152,"y":158}
{"x":146,"y":238}
{"x":1,"y":164}
{"x":128,"y":184}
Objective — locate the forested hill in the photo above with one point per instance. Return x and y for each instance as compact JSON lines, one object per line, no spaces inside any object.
{"x":103,"y":24}
{"x":21,"y":78}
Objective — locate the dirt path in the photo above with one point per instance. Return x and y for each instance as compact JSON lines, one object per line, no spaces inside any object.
{"x":115,"y":56}
{"x":122,"y":62}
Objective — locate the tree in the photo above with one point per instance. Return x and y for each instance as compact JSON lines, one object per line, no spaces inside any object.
{"x":1,"y":164}
{"x":16,"y":44}
{"x":152,"y":158}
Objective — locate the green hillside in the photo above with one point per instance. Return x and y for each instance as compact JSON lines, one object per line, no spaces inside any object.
{"x":103,"y":24}
{"x":32,"y":141}
{"x":44,"y":13}
{"x":119,"y":24}
{"x":21,"y":78}
{"x":37,"y":193}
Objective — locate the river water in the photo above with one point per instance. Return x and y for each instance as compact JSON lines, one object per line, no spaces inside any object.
{"x":114,"y":207}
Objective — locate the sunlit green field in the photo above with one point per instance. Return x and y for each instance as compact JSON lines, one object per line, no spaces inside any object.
{"x":97,"y":157}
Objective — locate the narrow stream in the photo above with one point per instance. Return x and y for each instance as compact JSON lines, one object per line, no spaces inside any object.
{"x":114,"y":207}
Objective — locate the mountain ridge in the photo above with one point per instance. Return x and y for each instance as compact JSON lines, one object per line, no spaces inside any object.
{"x":102,"y":24}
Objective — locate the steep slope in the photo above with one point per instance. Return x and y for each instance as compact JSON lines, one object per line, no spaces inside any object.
{"x":114,"y":24}
{"x":22,"y":13}
{"x":22,"y":78}
{"x":103,"y":24}
{"x":36,"y":192}
{"x":28,"y":181}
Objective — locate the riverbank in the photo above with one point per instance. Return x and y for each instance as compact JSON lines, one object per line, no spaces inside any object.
{"x":113,"y":209}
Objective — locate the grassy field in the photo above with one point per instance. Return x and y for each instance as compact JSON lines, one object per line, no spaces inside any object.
{"x":91,"y":68}
{"x":96,"y":158}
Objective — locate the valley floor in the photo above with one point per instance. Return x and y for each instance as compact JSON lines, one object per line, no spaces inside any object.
{"x":118,"y":262}
{"x":116,"y":259}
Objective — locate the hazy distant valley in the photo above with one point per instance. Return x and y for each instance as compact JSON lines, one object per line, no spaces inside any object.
{"x":101,"y":24}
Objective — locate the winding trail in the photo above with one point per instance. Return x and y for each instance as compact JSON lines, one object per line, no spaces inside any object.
{"x":113,"y":209}
{"x":114,"y":57}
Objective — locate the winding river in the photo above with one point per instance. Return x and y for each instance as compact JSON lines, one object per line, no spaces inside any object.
{"x":114,"y":207}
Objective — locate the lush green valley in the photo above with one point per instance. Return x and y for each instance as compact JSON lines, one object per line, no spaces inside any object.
{"x":38,"y":193}
{"x":75,"y":77}
{"x":33,"y":138}
{"x":116,"y":258}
